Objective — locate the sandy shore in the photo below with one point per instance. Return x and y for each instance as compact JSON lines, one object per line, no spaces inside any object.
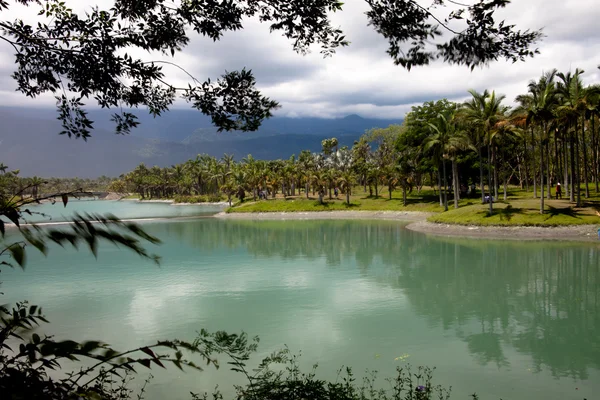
{"x":574,"y":232}
{"x":394,"y":215}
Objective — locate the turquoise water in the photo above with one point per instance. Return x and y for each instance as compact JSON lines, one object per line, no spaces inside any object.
{"x":124,"y":209}
{"x":511,"y":320}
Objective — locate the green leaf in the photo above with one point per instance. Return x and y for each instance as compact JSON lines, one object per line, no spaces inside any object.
{"x":148,"y":351}
{"x":18,"y":253}
{"x":157,"y":362}
{"x":2,"y":227}
{"x":65,"y":199}
{"x":36,"y":338}
{"x":145,"y":362}
{"x":13,"y":216}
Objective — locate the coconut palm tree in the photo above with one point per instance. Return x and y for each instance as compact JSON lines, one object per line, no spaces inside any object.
{"x":483,"y":112}
{"x":346,"y":181}
{"x":573,"y":105}
{"x":445,"y":141}
{"x":540,"y":113}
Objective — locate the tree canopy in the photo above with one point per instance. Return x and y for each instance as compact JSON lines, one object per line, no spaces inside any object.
{"x":85,"y":58}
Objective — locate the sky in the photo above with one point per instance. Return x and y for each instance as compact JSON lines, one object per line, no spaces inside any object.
{"x":361,"y":78}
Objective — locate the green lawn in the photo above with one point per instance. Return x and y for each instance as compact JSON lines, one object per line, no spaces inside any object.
{"x":426,"y":201}
{"x":522,"y":212}
{"x":519,"y":209}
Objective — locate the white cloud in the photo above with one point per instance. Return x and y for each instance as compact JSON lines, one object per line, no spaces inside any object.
{"x":362,"y":78}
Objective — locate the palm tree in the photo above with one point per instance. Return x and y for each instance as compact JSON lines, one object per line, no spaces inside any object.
{"x":346,"y":180}
{"x":573,"y":105}
{"x":484,"y":112}
{"x":540,"y":113}
{"x":444,"y":142}
{"x":34,"y":183}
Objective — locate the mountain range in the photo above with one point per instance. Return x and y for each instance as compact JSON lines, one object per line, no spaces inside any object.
{"x":29,"y":141}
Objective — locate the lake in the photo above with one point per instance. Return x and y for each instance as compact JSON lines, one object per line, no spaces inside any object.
{"x":505,"y":319}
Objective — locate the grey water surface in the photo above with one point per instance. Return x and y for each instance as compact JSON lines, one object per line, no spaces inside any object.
{"x":505,"y":319}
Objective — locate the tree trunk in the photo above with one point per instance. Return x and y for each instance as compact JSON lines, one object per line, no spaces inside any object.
{"x":578,"y":169}
{"x":595,"y":152}
{"x":533,"y":164}
{"x":445,"y":186}
{"x":504,"y":187}
{"x":549,"y":181}
{"x":490,"y":178}
{"x":404,"y":195}
{"x":348,"y":195}
{"x":440,"y":187}
{"x":526,"y":175}
{"x":572,"y":193}
{"x":455,"y":182}
{"x":525,"y":164}
{"x":542,"y":177}
{"x":585,"y":160}
{"x":496,"y":183}
{"x":565,"y":165}
{"x":481,"y":175}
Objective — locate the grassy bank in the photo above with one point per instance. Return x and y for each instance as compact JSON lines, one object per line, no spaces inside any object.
{"x":520,"y":212}
{"x":520,"y":208}
{"x":425,"y":203}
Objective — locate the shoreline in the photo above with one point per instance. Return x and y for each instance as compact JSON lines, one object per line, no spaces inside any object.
{"x":407,"y":216}
{"x":417,"y":223}
{"x":172,"y":202}
{"x":580,"y":233}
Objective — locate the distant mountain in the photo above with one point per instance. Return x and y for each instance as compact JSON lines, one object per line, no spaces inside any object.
{"x":29,"y":141}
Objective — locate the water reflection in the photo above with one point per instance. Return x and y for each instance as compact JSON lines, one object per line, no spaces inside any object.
{"x":539,"y":298}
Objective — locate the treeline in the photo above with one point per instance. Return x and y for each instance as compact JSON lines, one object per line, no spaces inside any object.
{"x":551,"y":136}
{"x":13,"y":184}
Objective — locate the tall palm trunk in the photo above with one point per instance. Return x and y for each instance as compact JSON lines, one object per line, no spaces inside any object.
{"x":556,"y":158}
{"x":572,"y":193}
{"x":578,"y":169}
{"x":565,"y":164}
{"x":490,"y":178}
{"x":481,"y":175}
{"x":439,"y":176}
{"x":526,"y":175}
{"x":585,"y":161}
{"x":533,"y":164}
{"x":542,"y":177}
{"x":455,"y":182}
{"x":495,"y":158}
{"x":595,"y":152}
{"x":548,"y":180}
{"x":445,"y":186}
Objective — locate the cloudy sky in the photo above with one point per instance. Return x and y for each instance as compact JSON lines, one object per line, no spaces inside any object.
{"x":361,"y":78}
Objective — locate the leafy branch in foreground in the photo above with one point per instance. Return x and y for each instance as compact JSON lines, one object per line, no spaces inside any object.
{"x":81,"y":57}
{"x":26,"y":358}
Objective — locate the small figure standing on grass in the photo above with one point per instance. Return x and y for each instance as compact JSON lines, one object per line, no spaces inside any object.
{"x":558,"y":191}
